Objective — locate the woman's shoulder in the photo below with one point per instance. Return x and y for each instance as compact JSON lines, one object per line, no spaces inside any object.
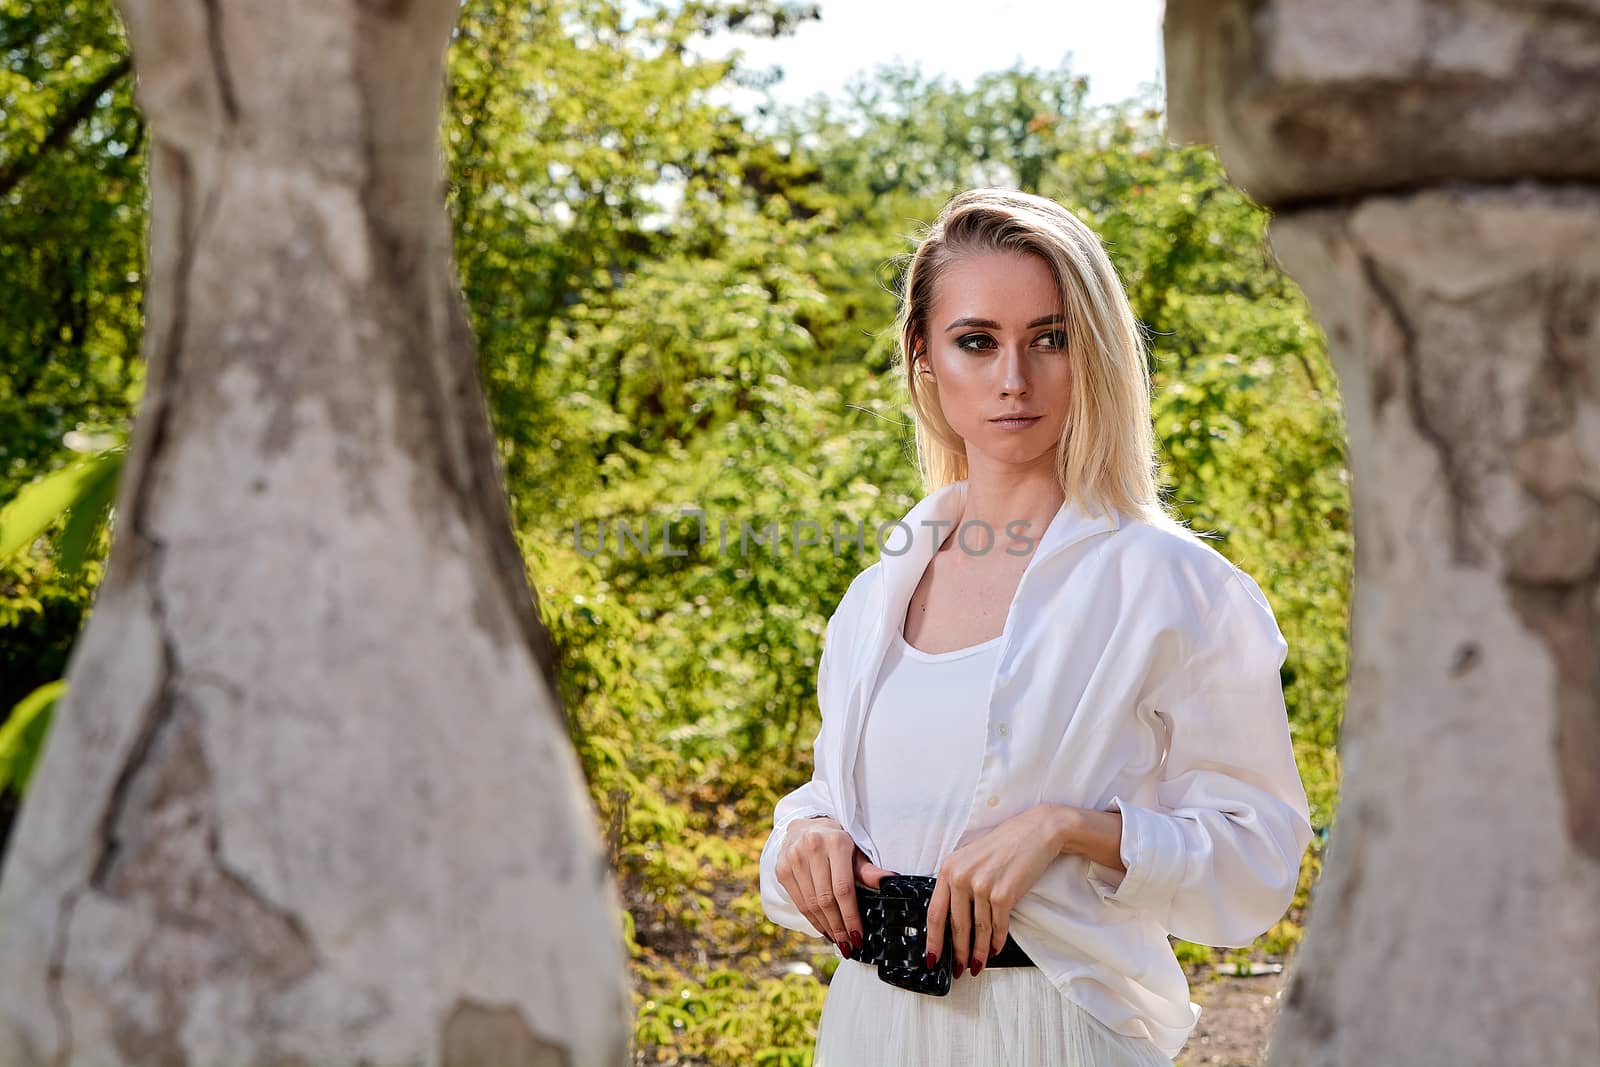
{"x":863,"y":589}
{"x":1162,"y":557}
{"x":1173,"y":584}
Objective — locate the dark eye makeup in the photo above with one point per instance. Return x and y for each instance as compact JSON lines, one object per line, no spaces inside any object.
{"x":1057,"y":337}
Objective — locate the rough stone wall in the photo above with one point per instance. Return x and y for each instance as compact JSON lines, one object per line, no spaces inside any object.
{"x":309,"y":799}
{"x":1434,"y":171}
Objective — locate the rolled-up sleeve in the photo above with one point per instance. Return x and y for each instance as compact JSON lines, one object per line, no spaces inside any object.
{"x":1217,"y":859}
{"x":811,"y":799}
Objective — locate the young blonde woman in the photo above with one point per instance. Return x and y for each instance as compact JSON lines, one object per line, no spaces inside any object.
{"x":1047,"y":697}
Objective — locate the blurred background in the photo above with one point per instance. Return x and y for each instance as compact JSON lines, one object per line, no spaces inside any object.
{"x":677,"y":228}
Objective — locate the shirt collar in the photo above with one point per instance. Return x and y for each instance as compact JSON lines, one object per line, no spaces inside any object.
{"x":910,"y":546}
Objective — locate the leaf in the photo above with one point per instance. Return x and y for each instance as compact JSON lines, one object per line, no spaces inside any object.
{"x":22,"y":735}
{"x":42,"y":501}
{"x":87,"y":515}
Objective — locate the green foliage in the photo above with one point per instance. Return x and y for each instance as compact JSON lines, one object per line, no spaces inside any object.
{"x":40,"y":615}
{"x":71,"y":229}
{"x":683,"y":316}
{"x":1189,"y":953}
{"x":22,"y":736}
{"x":78,"y":498}
{"x":82,"y":491}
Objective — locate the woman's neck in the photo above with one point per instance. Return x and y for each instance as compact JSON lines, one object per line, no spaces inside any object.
{"x":1002,"y":499}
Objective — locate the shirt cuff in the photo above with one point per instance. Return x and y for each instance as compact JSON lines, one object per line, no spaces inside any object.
{"x":775,"y":899}
{"x":1152,"y":850}
{"x":804,"y":813}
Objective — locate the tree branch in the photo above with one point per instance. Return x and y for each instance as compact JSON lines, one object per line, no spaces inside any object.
{"x":15,"y":170}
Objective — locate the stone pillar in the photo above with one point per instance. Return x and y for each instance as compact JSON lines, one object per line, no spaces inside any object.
{"x":1432,"y":167}
{"x":309,"y":799}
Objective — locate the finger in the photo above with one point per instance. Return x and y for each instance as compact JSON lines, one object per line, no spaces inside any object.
{"x":938,"y":911}
{"x":982,"y":931}
{"x":1001,"y":917}
{"x":788,"y":877}
{"x":806,"y":898}
{"x":961,"y":926}
{"x":844,"y":892}
{"x":868,"y":873}
{"x":821,"y":873}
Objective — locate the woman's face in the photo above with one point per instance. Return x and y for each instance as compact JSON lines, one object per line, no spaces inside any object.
{"x":996,"y":345}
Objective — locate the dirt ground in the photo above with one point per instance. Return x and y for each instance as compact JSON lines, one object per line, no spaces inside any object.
{"x":1236,"y":1019}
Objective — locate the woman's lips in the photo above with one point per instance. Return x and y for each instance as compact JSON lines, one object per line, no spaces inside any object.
{"x":1015,"y":422}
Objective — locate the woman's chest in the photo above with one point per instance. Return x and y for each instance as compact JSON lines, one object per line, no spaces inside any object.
{"x":961,"y":601}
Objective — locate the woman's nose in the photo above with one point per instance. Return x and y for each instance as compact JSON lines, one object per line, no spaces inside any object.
{"x":1013,"y":377}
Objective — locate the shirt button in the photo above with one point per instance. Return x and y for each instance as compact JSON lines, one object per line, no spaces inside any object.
{"x":1002,"y":729}
{"x":993,"y":800}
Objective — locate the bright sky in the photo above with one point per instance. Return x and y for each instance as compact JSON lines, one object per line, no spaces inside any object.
{"x":1115,"y":43}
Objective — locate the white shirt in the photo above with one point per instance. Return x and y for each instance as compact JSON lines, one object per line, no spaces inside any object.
{"x":1137,"y":672}
{"x":921,"y":746}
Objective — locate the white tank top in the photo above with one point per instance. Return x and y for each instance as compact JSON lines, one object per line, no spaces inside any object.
{"x":921,"y":748}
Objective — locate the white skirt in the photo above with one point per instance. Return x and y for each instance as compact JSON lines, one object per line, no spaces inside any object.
{"x":1005,"y":1017}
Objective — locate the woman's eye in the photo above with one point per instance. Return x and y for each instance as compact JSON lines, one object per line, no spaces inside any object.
{"x":975,"y":338}
{"x":1056,"y":338}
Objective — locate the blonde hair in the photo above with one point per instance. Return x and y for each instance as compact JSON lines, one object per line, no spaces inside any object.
{"x":1107,"y":451}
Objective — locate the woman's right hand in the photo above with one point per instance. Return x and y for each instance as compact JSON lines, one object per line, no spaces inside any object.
{"x":819,"y":864}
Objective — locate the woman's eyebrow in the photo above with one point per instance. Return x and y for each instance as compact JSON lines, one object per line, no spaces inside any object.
{"x":990,"y":324}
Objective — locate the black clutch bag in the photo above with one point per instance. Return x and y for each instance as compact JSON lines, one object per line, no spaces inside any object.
{"x":895,"y":917}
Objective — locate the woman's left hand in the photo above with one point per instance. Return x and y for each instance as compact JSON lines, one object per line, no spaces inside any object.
{"x":979,"y":883}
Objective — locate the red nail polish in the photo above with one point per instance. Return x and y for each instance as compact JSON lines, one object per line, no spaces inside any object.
{"x":844,"y":947}
{"x":855,"y":937}
{"x":929,"y":960}
{"x":977,"y":965}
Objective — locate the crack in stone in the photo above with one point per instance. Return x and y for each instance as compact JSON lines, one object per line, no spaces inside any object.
{"x":219,"y":59}
{"x":296,"y":968}
{"x":152,"y":714}
{"x":159,"y":707}
{"x":1463,"y":550}
{"x":58,"y":953}
{"x":1569,"y":329}
{"x":1553,"y":566}
{"x":1400,"y":189}
{"x":445,"y":404}
{"x":210,"y":922}
{"x":1563,"y":616}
